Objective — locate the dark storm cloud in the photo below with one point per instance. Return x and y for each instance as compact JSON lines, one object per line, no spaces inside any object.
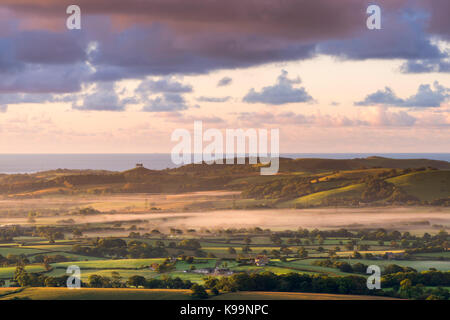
{"x":42,"y":62}
{"x":401,"y":37}
{"x":42,"y":47}
{"x":158,"y":50}
{"x":44,"y":79}
{"x":136,"y":39}
{"x":439,"y":22}
{"x":300,"y":19}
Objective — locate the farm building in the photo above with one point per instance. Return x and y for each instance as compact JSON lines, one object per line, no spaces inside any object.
{"x":261,"y":260}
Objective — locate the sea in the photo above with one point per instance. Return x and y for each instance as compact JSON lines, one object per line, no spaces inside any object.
{"x":31,"y":163}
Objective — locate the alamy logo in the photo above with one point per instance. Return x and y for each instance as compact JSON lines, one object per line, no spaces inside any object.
{"x":374,"y":281}
{"x":374,"y":20}
{"x":74,"y":280}
{"x":74,"y":20}
{"x":234,"y":147}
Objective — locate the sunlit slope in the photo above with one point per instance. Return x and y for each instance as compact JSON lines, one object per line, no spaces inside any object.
{"x":425,"y":185}
{"x":349,"y":192}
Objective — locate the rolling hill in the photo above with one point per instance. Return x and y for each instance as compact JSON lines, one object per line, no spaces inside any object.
{"x":299,"y":183}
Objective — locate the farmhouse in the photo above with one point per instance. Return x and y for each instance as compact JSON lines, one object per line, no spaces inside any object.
{"x":261,"y":260}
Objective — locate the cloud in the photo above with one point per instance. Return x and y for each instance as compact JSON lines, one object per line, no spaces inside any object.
{"x":439,"y":23}
{"x":166,"y":37}
{"x":33,"y":98}
{"x":378,"y":117}
{"x":104,"y":98}
{"x":43,"y":47}
{"x":171,"y":97}
{"x":42,"y":61}
{"x":158,"y":50}
{"x":425,"y":97}
{"x":282,"y":92}
{"x":179,"y":117}
{"x":403,"y":36}
{"x":3,"y":108}
{"x":45,"y":79}
{"x":425,"y":66}
{"x":382,"y":117}
{"x":213,"y":99}
{"x":164,"y":85}
{"x":225,"y":81}
{"x":302,"y":19}
{"x":168,"y":102}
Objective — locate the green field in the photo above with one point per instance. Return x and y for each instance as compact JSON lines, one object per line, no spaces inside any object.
{"x":8,"y":272}
{"x":4,"y":251}
{"x":111,"y":264}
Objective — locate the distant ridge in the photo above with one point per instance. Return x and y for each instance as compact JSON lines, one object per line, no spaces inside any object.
{"x":300,"y":182}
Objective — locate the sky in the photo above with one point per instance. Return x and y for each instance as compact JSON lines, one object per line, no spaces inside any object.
{"x":138,"y":70}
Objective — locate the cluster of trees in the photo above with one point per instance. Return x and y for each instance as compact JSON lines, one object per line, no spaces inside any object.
{"x":342,"y":266}
{"x":98,"y":281}
{"x":427,"y":278}
{"x":25,"y":279}
{"x":290,"y":188}
{"x":292,"y":282}
{"x":420,"y":292}
{"x":427,"y":243}
{"x":413,"y":284}
{"x":8,"y":233}
{"x":376,"y":189}
{"x":409,"y":284}
{"x":119,"y":248}
{"x":50,"y":258}
{"x":359,"y":267}
{"x":13,"y":259}
{"x":164,"y":283}
{"x":50,"y":233}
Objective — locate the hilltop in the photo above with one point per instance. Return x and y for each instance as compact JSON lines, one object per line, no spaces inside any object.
{"x":299,"y":183}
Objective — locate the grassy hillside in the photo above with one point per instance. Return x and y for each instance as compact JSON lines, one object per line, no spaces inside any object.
{"x":161,"y":294}
{"x":318,"y":198}
{"x":300,"y":182}
{"x":427,"y":185}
